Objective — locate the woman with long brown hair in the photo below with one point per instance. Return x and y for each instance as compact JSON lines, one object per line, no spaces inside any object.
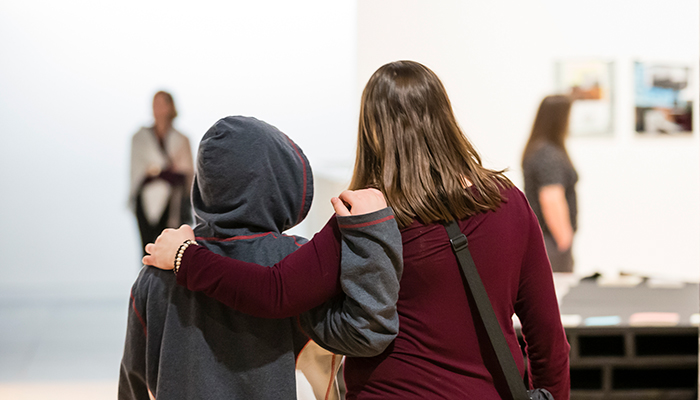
{"x":411,"y":148}
{"x":550,"y":180}
{"x":161,"y":172}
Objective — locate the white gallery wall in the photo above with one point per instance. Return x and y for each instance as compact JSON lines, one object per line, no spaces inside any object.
{"x":639,"y":198}
{"x":77,"y":78}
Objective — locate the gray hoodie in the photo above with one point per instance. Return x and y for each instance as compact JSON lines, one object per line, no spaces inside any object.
{"x":252,"y":183}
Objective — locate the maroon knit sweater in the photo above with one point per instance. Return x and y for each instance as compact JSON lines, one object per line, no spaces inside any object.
{"x":441,"y":351}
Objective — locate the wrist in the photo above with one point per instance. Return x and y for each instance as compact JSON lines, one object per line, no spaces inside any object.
{"x":179,"y":253}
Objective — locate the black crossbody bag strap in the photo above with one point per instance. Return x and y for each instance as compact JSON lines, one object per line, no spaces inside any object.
{"x":488,"y":316}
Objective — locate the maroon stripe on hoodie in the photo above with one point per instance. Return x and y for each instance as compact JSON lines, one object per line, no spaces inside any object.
{"x":138,"y":314}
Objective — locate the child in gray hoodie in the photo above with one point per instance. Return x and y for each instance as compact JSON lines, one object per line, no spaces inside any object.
{"x":251,"y":184}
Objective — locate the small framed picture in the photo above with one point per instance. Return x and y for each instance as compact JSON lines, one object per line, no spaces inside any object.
{"x":663,"y":99}
{"x":589,"y":83}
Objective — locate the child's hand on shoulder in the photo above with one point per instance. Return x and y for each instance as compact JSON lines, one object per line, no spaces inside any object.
{"x":358,"y":202}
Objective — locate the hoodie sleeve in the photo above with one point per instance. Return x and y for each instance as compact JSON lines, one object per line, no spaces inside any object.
{"x":132,"y":373}
{"x":363,"y":320}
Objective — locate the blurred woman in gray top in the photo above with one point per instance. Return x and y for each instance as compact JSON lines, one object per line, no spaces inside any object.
{"x":550,"y":180}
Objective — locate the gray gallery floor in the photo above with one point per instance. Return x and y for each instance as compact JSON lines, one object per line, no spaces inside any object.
{"x":61,"y":343}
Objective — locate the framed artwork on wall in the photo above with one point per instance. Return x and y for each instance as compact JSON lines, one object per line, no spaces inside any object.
{"x":663,"y":99}
{"x":590,"y":84}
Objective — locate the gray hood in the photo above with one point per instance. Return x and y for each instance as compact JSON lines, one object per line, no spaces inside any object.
{"x":249,"y":178}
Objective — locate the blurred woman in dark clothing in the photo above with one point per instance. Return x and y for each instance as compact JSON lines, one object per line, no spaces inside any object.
{"x":550,"y":180}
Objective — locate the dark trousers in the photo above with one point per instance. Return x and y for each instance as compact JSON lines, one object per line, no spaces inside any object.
{"x":149,"y":232}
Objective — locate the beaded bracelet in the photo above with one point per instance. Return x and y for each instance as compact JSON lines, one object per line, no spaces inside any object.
{"x":180,"y":252}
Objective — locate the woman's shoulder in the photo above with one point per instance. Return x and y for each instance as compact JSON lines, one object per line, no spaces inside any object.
{"x":143,"y":138}
{"x":512,"y":189}
{"x":176,"y":132}
{"x":177,"y":136}
{"x":546,"y":148}
{"x":514,"y":207}
{"x":545,"y":155}
{"x":143,"y":131}
{"x":513,"y":196}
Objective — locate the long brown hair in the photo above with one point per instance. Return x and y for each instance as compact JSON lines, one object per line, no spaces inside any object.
{"x":551,"y":124}
{"x":411,"y":148}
